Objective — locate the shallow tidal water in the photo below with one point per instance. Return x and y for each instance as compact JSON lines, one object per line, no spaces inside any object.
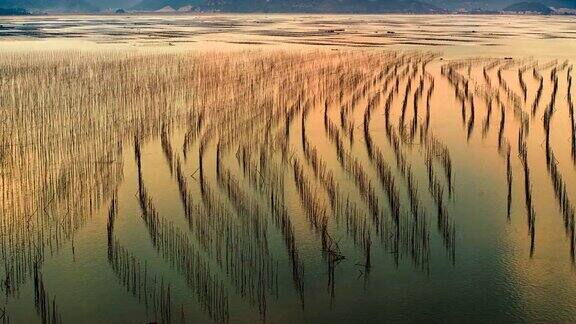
{"x":331,"y":180}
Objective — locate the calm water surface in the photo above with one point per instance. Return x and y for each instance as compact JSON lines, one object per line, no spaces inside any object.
{"x":172,"y":185}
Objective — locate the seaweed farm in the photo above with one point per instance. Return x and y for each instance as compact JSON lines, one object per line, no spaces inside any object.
{"x":286,"y":185}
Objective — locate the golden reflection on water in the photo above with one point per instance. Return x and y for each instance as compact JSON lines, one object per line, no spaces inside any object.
{"x":306,"y":184}
{"x":456,"y":36}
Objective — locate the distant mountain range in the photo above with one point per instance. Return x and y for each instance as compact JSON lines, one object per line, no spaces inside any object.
{"x":67,"y":5}
{"x":55,"y":5}
{"x":334,"y":6}
{"x":528,"y":7}
{"x":312,"y":6}
{"x":175,"y":4}
{"x":496,"y":4}
{"x":13,"y":12}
